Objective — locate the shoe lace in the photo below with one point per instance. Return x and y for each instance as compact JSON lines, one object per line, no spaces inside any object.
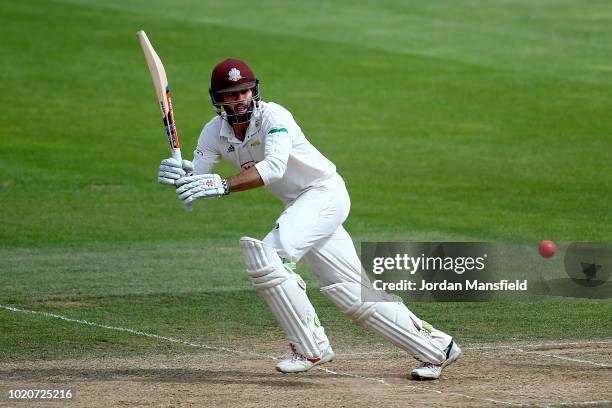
{"x":297,"y":357}
{"x":431,"y":365}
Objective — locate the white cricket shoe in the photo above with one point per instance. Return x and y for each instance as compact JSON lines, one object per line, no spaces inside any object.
{"x":297,"y":363}
{"x":429,"y":371}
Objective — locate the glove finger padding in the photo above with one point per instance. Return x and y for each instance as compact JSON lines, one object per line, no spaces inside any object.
{"x":187,"y":183}
{"x":191,"y":179}
{"x":166,"y":181}
{"x":185,"y":167}
{"x":168,"y":173}
{"x":189,"y":191}
{"x":201,"y":186}
{"x":170,"y":162}
{"x":170,"y":170}
{"x":183,"y":181}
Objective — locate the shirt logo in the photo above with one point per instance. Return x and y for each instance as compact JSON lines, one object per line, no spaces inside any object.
{"x":255,"y":143}
{"x":234,"y":75}
{"x":230,"y":149}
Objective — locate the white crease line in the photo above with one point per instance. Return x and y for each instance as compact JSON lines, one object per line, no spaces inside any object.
{"x":539,"y":353}
{"x":473,"y":348}
{"x":136,"y":332}
{"x":514,"y":404}
{"x":581,"y":343}
{"x":578,"y":343}
{"x":397,"y":353}
{"x":327,"y":370}
{"x":577,"y":403}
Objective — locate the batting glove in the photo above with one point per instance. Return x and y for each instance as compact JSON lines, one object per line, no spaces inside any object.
{"x":171,"y":170}
{"x":202,"y":186}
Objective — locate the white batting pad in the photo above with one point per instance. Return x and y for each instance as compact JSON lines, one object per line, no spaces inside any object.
{"x":392,"y":320}
{"x":282,"y":292}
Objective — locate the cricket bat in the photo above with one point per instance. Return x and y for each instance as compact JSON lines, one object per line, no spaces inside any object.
{"x":162,"y":90}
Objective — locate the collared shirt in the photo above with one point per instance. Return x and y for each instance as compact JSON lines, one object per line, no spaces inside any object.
{"x":274,"y":143}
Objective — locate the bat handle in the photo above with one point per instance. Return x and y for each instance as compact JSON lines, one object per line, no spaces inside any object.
{"x":176,"y":155}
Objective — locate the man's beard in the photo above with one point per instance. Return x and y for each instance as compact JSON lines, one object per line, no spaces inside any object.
{"x":243,"y":117}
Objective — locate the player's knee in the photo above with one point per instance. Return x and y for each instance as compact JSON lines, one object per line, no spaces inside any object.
{"x":285,"y":244}
{"x":347,"y":296}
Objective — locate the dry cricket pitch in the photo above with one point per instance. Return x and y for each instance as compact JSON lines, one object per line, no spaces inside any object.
{"x":511,"y":374}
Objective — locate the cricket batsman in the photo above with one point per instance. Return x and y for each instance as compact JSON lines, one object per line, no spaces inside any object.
{"x":264,"y":142}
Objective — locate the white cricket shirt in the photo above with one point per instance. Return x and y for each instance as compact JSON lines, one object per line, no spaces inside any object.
{"x":274,"y":144}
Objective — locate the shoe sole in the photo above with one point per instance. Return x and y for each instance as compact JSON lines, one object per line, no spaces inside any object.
{"x":417,"y":377}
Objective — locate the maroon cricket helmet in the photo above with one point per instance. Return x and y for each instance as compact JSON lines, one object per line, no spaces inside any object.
{"x":233,"y":75}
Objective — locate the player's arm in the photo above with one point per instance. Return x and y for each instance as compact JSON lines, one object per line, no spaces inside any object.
{"x":191,"y":188}
{"x":273,"y":167}
{"x":246,"y":180}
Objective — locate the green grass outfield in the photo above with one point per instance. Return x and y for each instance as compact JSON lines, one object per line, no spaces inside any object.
{"x":456,"y":120}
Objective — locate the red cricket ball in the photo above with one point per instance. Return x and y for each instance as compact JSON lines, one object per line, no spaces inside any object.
{"x":547,"y":248}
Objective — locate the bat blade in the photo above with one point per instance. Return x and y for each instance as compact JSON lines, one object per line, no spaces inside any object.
{"x":162,"y":91}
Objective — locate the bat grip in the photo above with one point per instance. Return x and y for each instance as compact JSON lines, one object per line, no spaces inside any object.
{"x":176,"y":155}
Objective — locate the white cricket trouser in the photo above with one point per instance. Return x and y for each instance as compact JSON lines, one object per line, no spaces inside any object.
{"x":311,"y":227}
